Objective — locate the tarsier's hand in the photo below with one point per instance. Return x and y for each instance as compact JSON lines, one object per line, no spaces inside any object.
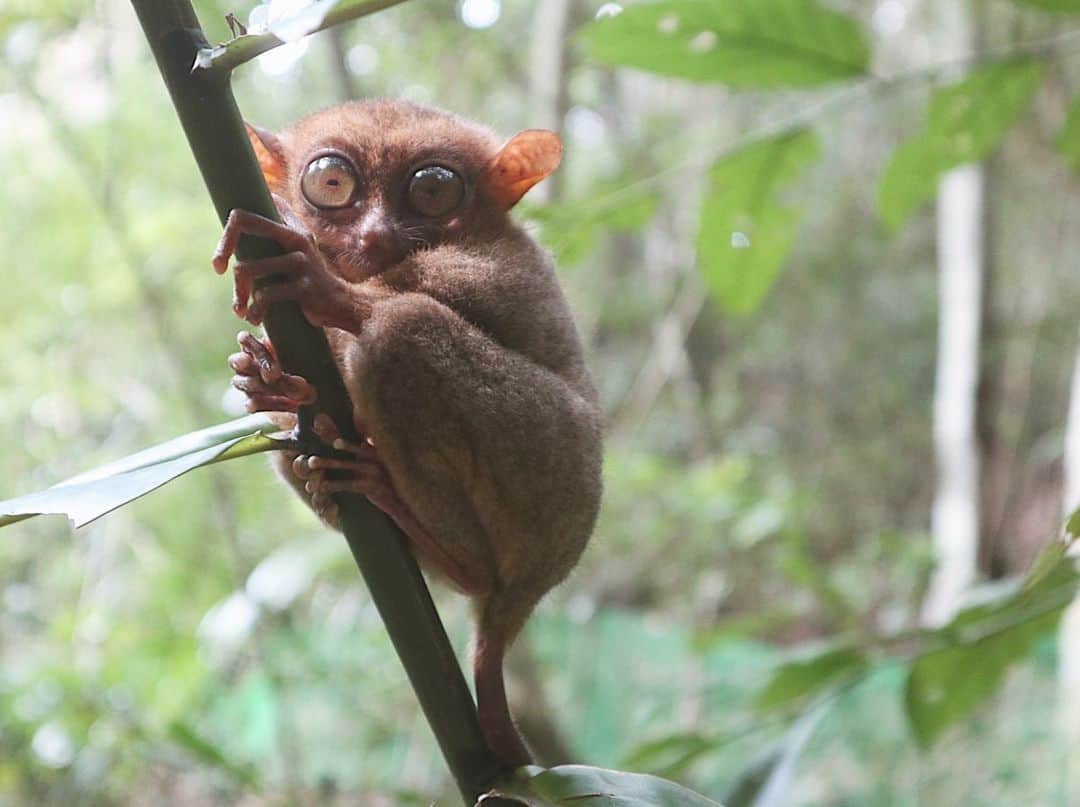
{"x":305,"y":275}
{"x":260,"y":376}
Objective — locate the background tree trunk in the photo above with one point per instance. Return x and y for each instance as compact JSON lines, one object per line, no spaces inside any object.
{"x":960,"y":242}
{"x":1069,"y":630}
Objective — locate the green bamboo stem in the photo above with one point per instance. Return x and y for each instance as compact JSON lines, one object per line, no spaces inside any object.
{"x":215,"y":132}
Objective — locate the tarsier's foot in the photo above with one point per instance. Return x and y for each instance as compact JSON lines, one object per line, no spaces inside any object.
{"x":363,"y":473}
{"x":260,"y":376}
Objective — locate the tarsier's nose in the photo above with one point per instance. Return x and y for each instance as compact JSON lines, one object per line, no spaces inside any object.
{"x":379,"y":241}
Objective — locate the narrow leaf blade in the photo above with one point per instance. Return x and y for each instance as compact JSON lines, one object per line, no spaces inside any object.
{"x":89,"y":496}
{"x":583,"y":786}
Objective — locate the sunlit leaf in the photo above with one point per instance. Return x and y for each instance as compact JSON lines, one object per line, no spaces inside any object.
{"x":946,"y":684}
{"x":743,"y":43}
{"x":90,"y":495}
{"x":795,"y":681}
{"x":966,"y":123}
{"x":582,"y":786}
{"x":746,"y":232}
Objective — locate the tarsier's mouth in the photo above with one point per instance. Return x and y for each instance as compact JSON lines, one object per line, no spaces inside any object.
{"x":357,"y":265}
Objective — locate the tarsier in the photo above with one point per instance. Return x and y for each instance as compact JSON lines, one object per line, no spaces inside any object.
{"x":482,"y":431}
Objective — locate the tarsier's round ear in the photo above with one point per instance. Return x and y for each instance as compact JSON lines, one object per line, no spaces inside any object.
{"x":527,"y":158}
{"x":269,"y":153}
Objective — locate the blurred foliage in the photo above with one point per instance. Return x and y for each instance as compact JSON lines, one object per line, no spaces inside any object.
{"x":741,"y":43}
{"x":966,"y":123}
{"x":767,"y":475}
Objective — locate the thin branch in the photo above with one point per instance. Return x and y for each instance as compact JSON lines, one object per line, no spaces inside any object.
{"x":667,"y":358}
{"x":222,"y":59}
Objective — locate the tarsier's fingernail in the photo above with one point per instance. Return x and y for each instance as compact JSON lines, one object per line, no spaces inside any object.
{"x":339,"y":444}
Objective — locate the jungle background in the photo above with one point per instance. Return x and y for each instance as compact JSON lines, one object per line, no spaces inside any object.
{"x":771,"y":462}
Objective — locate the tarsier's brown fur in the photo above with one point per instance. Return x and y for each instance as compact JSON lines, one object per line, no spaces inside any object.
{"x":461,"y":358}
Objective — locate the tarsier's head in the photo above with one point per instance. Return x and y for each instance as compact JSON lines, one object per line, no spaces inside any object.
{"x":378,"y":180}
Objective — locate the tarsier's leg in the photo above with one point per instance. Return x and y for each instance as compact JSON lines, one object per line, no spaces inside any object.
{"x":363,"y":473}
{"x":497,"y":457}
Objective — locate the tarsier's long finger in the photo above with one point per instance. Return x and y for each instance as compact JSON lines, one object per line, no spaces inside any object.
{"x":291,"y":388}
{"x":246,"y":273}
{"x":288,"y":217}
{"x":327,"y":431}
{"x":262,"y":351}
{"x":262,"y":299}
{"x":374,"y":486}
{"x":244,"y":364}
{"x":244,"y":222}
{"x":366,"y":456}
{"x":300,"y":466}
{"x":271,"y":403}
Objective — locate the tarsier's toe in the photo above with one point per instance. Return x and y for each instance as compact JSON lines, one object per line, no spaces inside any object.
{"x":325,"y":508}
{"x":328,"y":432}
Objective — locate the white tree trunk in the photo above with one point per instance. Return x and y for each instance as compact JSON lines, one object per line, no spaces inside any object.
{"x":954,"y":520}
{"x":547,"y":74}
{"x":1069,"y":629}
{"x":955,"y":517}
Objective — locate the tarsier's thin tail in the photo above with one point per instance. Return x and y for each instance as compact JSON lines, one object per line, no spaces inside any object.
{"x":499,"y":619}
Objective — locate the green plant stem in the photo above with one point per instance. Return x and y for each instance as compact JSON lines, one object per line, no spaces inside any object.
{"x":223,"y":59}
{"x":215,"y":132}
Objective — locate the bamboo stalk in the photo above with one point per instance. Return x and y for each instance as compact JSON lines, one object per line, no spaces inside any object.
{"x":215,"y":132}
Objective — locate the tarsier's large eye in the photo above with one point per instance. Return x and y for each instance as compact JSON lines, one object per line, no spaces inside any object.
{"x":435,"y":190}
{"x":329,"y":182}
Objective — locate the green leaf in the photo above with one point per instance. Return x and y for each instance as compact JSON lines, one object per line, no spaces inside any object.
{"x":90,"y":495}
{"x":795,"y":681}
{"x":946,"y":684}
{"x":743,"y":43}
{"x":1069,"y":141}
{"x":1067,"y":6}
{"x":205,"y":751}
{"x":966,"y":123}
{"x":1072,"y":525}
{"x":671,"y":755}
{"x":1049,"y":561}
{"x":572,"y":229}
{"x":582,"y":786}
{"x":745,"y":233}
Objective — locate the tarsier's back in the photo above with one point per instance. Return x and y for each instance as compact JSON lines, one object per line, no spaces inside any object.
{"x":458,"y":349}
